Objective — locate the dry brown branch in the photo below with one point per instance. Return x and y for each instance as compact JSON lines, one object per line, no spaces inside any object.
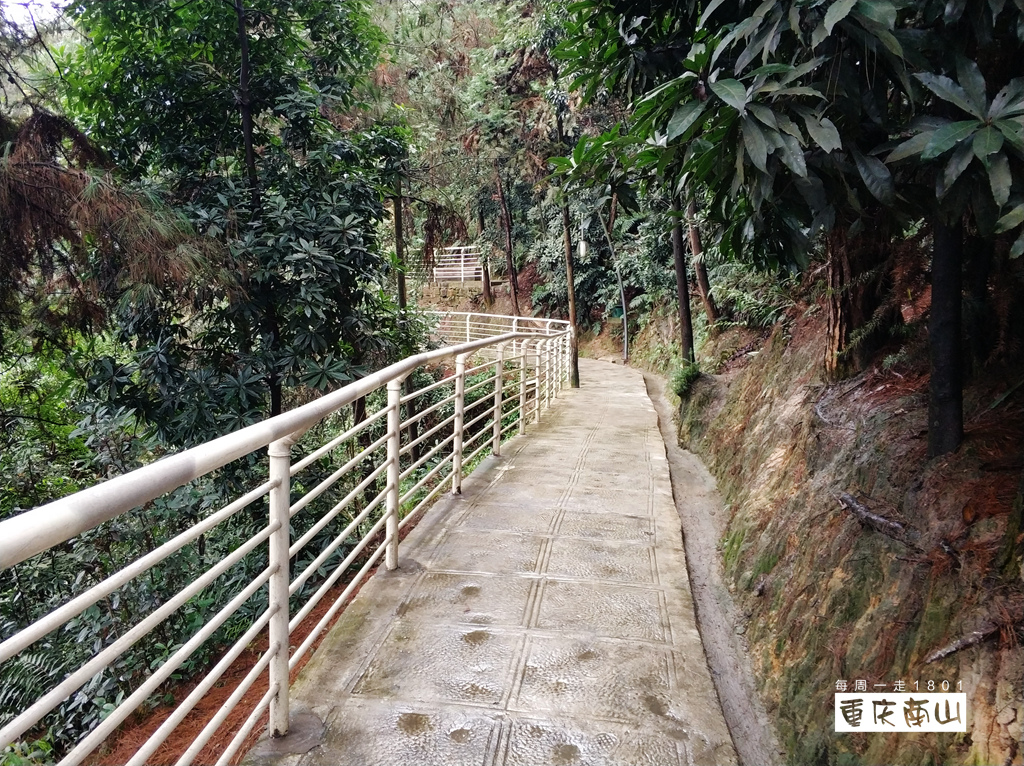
{"x":888,"y":527}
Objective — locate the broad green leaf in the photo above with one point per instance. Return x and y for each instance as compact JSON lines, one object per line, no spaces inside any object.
{"x":765,"y":115}
{"x":823,"y":132}
{"x":957,"y":165}
{"x":882,"y":12}
{"x":712,"y":7}
{"x":973,"y":82}
{"x":788,"y":126}
{"x":910,"y":147}
{"x":883,"y":35}
{"x":798,"y":90}
{"x":792,"y":155}
{"x":818,"y":35}
{"x":987,"y":141}
{"x":999,"y":178}
{"x":1008,"y":101}
{"x":1018,"y":247}
{"x":948,"y":136}
{"x":949,"y":91}
{"x":1013,"y":132}
{"x":731,"y":92}
{"x":683,"y":118}
{"x":876,"y":177}
{"x":836,"y":12}
{"x":753,"y":140}
{"x":1011,"y":220}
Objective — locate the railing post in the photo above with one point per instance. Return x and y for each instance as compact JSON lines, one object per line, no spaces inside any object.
{"x":515,"y":324}
{"x":460,"y":416}
{"x":394,"y":447}
{"x":548,"y":382}
{"x":536,"y":387}
{"x":499,"y":383}
{"x":468,"y":315}
{"x":523,"y":353}
{"x":279,"y":453}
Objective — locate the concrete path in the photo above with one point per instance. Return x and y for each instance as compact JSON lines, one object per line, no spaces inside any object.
{"x":543,"y":617}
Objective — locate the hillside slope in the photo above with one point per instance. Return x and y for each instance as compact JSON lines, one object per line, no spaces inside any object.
{"x":831,"y":598}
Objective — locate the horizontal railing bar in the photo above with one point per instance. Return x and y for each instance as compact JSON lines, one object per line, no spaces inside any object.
{"x":478,"y":450}
{"x":479,"y":367}
{"x":229,"y":705}
{"x":510,"y":426}
{"x":338,"y":603}
{"x":184,"y":708}
{"x":140,"y":695}
{"x":243,"y":732}
{"x":426,"y":389}
{"x":301,"y":543}
{"x":32,"y":532}
{"x":331,"y":480}
{"x":422,"y":414}
{"x":49,"y":701}
{"x":482,"y":432}
{"x":484,"y":382}
{"x":423,"y":503}
{"x":327,"y":584}
{"x":481,"y":416}
{"x":426,"y":477}
{"x":29,"y":635}
{"x":333,"y":545}
{"x":333,"y":443}
{"x":408,"y":447}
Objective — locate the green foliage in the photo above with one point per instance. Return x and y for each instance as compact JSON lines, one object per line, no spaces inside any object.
{"x":683,"y":378}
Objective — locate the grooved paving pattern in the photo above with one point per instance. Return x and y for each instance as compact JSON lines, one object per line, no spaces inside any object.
{"x":542,"y":617}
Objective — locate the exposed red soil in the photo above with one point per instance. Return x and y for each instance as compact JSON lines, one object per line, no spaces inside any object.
{"x":137,"y":729}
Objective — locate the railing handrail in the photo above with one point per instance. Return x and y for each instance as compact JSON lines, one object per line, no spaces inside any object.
{"x":40,"y":528}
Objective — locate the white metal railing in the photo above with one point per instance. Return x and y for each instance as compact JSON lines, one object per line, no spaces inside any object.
{"x":528,"y":365}
{"x":459,"y":264}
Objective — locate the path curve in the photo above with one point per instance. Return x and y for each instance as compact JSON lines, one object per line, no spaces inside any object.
{"x":543,"y":617}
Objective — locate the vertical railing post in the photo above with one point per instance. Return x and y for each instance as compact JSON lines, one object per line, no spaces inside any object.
{"x":467,"y":326}
{"x":515,"y":324}
{"x":536,"y":384}
{"x":279,"y":453}
{"x":499,"y":383}
{"x":523,"y":351}
{"x":549,"y":381}
{"x":394,"y":471}
{"x":460,"y":416}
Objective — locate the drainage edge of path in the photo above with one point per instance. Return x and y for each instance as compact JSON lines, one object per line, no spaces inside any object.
{"x":753,"y":736}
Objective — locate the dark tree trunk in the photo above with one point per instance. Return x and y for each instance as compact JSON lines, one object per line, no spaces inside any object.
{"x":271,"y":323}
{"x":484,"y":265}
{"x":400,"y":245}
{"x":980,"y":323}
{"x":857,"y":278}
{"x":506,"y":219}
{"x":570,"y":282}
{"x":403,"y":302}
{"x":945,"y":389}
{"x":682,"y":285}
{"x":699,"y":268}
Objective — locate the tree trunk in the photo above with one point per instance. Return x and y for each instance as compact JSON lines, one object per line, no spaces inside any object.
{"x":403,"y":302}
{"x":945,"y":389}
{"x":857,"y":277}
{"x":506,"y":219}
{"x":574,"y":360}
{"x":699,"y":268}
{"x":270,"y":322}
{"x":485,"y":266}
{"x":682,"y":286}
{"x":622,"y":289}
{"x":400,"y":245}
{"x":570,"y":282}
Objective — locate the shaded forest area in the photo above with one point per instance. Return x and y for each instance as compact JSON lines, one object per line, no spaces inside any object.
{"x":214,"y":211}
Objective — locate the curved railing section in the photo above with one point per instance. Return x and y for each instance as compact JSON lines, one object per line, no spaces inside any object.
{"x":387,"y":464}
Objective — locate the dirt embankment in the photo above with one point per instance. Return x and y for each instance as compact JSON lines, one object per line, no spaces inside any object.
{"x":830,"y":598}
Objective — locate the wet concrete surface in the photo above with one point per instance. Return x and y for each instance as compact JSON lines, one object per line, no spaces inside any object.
{"x":542,"y":617}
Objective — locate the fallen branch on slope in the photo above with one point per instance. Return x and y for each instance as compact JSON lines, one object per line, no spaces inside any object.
{"x":964,"y":642}
{"x":887,"y":527}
